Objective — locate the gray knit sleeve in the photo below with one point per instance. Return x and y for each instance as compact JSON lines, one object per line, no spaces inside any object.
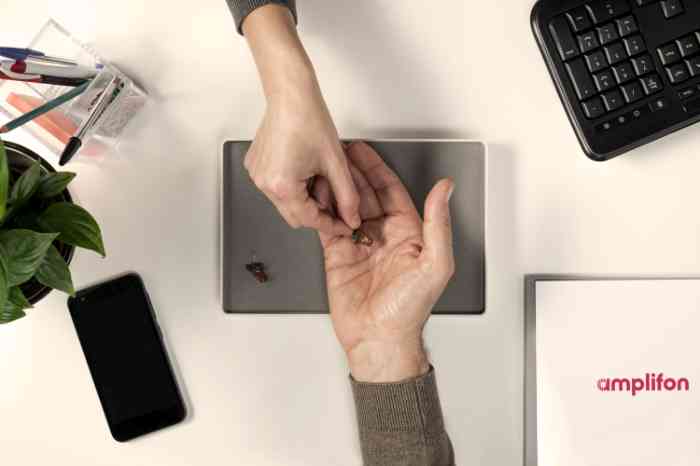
{"x":401,"y":423}
{"x":242,"y":8}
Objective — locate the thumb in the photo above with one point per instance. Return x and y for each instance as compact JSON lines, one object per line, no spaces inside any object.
{"x":344,"y":190}
{"x":437,"y":230}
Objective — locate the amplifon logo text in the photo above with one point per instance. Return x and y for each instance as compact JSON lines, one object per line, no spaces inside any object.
{"x":650,"y":383}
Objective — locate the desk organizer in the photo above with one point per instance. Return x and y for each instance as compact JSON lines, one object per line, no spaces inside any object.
{"x":55,"y":128}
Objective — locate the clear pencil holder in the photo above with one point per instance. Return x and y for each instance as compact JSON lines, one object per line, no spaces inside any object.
{"x":55,"y":128}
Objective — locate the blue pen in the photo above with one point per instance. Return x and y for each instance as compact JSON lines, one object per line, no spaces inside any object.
{"x":24,"y":54}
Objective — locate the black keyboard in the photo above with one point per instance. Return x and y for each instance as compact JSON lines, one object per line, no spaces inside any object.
{"x":627,"y":71}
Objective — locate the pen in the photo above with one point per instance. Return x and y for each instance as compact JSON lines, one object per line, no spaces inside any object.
{"x":38,"y":79}
{"x":108,"y":95}
{"x":47,"y":107}
{"x":22,"y":54}
{"x":6,"y":70}
{"x":24,"y":67}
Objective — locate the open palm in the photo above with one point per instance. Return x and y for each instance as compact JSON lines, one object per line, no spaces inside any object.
{"x":381,"y":294}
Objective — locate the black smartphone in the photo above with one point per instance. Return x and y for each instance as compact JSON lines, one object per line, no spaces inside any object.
{"x":123,"y":346}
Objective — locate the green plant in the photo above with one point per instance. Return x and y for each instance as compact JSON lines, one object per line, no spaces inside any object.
{"x":35,"y":221}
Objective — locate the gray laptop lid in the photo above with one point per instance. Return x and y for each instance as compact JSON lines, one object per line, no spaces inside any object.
{"x":254,"y":231}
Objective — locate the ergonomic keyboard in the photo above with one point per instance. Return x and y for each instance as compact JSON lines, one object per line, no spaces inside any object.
{"x":627,"y":71}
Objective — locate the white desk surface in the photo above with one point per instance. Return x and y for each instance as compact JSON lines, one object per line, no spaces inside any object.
{"x":273,"y":390}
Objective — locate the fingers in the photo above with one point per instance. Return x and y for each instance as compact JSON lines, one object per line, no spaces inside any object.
{"x":370,"y":207}
{"x":307,"y":213}
{"x":346,"y":196}
{"x":324,"y":198}
{"x":437,"y":231}
{"x":390,"y":191}
{"x":323,"y":194}
{"x":299,"y":209}
{"x":369,"y":204}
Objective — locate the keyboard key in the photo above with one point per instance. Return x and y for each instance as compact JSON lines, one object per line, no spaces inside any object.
{"x":583,"y":84}
{"x":678,"y":73}
{"x":659,"y":104}
{"x":688,"y":45}
{"x":627,"y":26}
{"x":563,"y":38}
{"x":692,"y":106}
{"x":622,"y":119}
{"x":672,"y":8}
{"x":603,"y":127}
{"x":579,"y":19}
{"x":593,"y":108}
{"x":686,"y":93}
{"x":651,"y":84}
{"x":624,"y":72}
{"x":643,"y":65}
{"x":694,"y":66}
{"x":639,"y":112}
{"x":596,"y":61}
{"x":613,"y":100}
{"x":604,"y":10}
{"x":588,"y":41}
{"x":615,"y":53}
{"x":635,"y":45}
{"x":607,"y":33}
{"x":669,"y":54}
{"x":604,"y":81}
{"x":632,"y":92}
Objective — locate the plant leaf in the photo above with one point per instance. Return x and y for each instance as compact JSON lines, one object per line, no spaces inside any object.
{"x":53,"y":272}
{"x":75,"y":225}
{"x":17,"y":298}
{"x":53,"y":184}
{"x":23,"y":251}
{"x":26,"y":219}
{"x":25,"y":187}
{"x":4,"y":180}
{"x":8,"y":313}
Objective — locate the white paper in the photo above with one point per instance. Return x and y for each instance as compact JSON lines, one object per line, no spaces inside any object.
{"x":592,"y":330}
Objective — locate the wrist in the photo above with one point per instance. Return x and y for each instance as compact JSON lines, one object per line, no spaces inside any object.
{"x":382,"y":362}
{"x":285,"y":69}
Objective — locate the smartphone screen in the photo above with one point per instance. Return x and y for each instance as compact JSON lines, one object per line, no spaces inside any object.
{"x":124,"y":351}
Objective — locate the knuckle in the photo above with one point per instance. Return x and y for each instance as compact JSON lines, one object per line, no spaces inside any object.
{"x":249,"y":159}
{"x":279,"y":186}
{"x":451,"y":269}
{"x":290,"y":219}
{"x":313,"y":218}
{"x":443,"y":221}
{"x":440,"y":269}
{"x":447,"y":272}
{"x":259,"y":183}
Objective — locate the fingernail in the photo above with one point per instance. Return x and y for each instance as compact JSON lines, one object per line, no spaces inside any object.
{"x":451,"y":191}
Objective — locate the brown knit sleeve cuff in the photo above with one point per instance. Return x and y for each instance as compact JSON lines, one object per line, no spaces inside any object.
{"x":242,"y":8}
{"x":412,"y":405}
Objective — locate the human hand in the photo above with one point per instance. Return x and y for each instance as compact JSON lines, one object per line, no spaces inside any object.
{"x":381,"y":294}
{"x":297,"y":140}
{"x":295,"y":143}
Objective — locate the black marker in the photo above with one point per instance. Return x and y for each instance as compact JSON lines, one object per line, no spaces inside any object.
{"x":108,"y":95}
